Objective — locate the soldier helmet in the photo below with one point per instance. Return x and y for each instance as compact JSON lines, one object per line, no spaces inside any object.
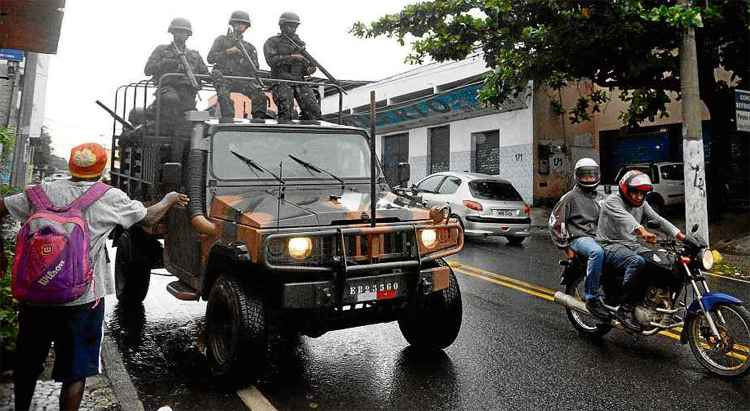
{"x":180,"y":23}
{"x":240,"y":16}
{"x":289,"y":17}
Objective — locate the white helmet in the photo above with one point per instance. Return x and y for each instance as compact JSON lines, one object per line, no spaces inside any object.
{"x":587,"y":167}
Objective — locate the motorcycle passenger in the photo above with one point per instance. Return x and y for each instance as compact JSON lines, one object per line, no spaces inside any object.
{"x":620,"y":224}
{"x":573,"y":224}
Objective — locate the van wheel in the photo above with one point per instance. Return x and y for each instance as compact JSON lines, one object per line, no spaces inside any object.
{"x":435,"y":323}
{"x":132,"y":274}
{"x":236,"y":326}
{"x":515,"y":240}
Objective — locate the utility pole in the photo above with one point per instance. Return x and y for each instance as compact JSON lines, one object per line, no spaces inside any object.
{"x":18,"y":173}
{"x":692,"y":135}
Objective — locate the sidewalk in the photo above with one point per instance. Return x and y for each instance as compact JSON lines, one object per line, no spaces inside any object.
{"x":111,"y":390}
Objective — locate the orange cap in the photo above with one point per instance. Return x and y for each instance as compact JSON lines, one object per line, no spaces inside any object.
{"x":87,"y":160}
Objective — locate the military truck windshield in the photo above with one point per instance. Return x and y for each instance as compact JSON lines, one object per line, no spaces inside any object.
{"x":344,"y":155}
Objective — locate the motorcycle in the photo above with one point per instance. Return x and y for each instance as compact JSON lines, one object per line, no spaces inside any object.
{"x":715,"y":325}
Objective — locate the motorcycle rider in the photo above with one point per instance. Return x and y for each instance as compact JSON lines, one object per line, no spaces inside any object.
{"x":573,"y":225}
{"x":620,"y":224}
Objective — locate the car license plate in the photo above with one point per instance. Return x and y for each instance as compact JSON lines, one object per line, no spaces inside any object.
{"x":382,"y":287}
{"x":503,"y":213}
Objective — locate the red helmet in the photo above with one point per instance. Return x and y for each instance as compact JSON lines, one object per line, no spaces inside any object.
{"x":632,"y":182}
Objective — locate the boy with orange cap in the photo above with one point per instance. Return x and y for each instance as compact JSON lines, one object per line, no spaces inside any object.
{"x":75,"y":327}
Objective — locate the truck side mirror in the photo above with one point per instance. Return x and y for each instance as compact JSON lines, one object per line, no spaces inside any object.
{"x":171,"y":176}
{"x":404,"y":174}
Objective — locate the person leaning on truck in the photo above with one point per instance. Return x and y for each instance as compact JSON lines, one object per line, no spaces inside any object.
{"x":75,"y":327}
{"x":287,"y":63}
{"x":229,"y":60}
{"x":176,"y":94}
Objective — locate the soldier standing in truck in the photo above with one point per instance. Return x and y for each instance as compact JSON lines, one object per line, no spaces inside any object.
{"x":229,"y":59}
{"x":287,"y":63}
{"x":176,"y":95}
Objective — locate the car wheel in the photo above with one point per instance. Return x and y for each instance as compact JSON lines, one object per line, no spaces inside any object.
{"x":132,"y":274}
{"x":434,"y":323}
{"x":515,"y":240}
{"x":236,"y":326}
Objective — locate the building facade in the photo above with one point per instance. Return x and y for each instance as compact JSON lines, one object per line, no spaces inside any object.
{"x":431,"y":118}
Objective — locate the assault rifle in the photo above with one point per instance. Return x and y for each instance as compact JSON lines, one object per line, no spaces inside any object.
{"x":253,"y":69}
{"x":312,"y":60}
{"x":188,"y":68}
{"x":125,"y":123}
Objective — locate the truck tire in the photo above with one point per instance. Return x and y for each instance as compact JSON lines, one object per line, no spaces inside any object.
{"x":435,"y":324}
{"x":132,"y":274}
{"x":236,"y":331}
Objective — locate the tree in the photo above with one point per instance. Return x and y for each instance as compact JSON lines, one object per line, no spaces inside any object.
{"x":628,"y":45}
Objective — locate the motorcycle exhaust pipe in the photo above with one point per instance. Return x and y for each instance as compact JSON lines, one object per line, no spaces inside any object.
{"x":570,"y":302}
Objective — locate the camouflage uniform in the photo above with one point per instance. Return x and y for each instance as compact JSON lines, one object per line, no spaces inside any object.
{"x":176,"y":95}
{"x":278,"y":50}
{"x":235,"y":65}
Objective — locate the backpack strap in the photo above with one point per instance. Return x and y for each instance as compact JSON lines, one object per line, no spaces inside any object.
{"x":39,"y":198}
{"x":94,"y":193}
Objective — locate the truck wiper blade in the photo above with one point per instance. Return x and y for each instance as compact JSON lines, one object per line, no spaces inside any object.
{"x":252,"y":164}
{"x":316,"y":169}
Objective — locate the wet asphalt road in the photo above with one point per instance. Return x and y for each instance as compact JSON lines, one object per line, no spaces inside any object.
{"x":514,"y":351}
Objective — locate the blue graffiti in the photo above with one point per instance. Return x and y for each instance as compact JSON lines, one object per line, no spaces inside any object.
{"x":464,"y":99}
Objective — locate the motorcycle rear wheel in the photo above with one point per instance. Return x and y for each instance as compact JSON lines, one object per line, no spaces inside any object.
{"x":731,"y":356}
{"x":586,"y":325}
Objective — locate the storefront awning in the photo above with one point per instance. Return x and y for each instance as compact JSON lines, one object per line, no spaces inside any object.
{"x":31,"y":25}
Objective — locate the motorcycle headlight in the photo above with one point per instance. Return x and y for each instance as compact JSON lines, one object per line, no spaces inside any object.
{"x":300,"y":247}
{"x":428,"y":238}
{"x":707,"y":259}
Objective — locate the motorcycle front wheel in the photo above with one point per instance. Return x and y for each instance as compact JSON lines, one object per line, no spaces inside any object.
{"x":586,"y":325}
{"x":729,"y":355}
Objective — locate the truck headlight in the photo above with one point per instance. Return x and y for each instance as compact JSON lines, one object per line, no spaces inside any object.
{"x":707,"y":259}
{"x":300,"y":247}
{"x":428,"y":238}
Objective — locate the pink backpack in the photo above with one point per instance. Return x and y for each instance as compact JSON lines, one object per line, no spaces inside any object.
{"x":52,"y":250}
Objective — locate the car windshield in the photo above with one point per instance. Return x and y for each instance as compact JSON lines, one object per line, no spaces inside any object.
{"x":494,"y":190}
{"x":343,"y":154}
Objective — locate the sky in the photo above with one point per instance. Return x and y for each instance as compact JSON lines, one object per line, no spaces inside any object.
{"x":105,"y":43}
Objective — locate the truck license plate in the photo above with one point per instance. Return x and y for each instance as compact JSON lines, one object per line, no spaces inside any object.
{"x":384,"y":287}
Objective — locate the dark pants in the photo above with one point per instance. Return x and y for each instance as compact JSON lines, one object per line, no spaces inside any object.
{"x":76,"y":332}
{"x":258,"y":100}
{"x":173,"y":101}
{"x":284,"y":96}
{"x":625,"y":259}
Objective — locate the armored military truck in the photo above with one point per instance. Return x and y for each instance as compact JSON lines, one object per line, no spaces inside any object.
{"x":279,"y":236}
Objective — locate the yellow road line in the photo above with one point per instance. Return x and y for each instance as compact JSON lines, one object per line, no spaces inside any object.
{"x":254,"y":399}
{"x":464,"y":267}
{"x":508,"y":285}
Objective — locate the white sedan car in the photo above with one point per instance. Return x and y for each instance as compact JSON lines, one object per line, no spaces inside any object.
{"x":484,"y":204}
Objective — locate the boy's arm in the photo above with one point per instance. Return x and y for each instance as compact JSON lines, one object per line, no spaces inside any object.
{"x":157,"y":211}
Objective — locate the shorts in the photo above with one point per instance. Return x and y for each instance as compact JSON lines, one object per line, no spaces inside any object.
{"x":77,"y":335}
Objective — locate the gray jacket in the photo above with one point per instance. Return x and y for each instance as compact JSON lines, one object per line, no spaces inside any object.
{"x":618,"y":220}
{"x":574,"y":216}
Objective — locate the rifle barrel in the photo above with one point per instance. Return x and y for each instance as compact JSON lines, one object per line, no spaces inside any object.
{"x":125,"y":123}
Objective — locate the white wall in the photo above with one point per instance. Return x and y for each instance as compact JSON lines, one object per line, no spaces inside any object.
{"x":422,"y":77}
{"x":516,"y":160}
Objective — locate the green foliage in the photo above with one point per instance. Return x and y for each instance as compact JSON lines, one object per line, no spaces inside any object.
{"x":618,"y":44}
{"x":8,"y":313}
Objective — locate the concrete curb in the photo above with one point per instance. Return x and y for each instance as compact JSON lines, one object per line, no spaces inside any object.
{"x":122,"y":385}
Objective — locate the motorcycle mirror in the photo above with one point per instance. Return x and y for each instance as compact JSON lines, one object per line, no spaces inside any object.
{"x":695,"y":228}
